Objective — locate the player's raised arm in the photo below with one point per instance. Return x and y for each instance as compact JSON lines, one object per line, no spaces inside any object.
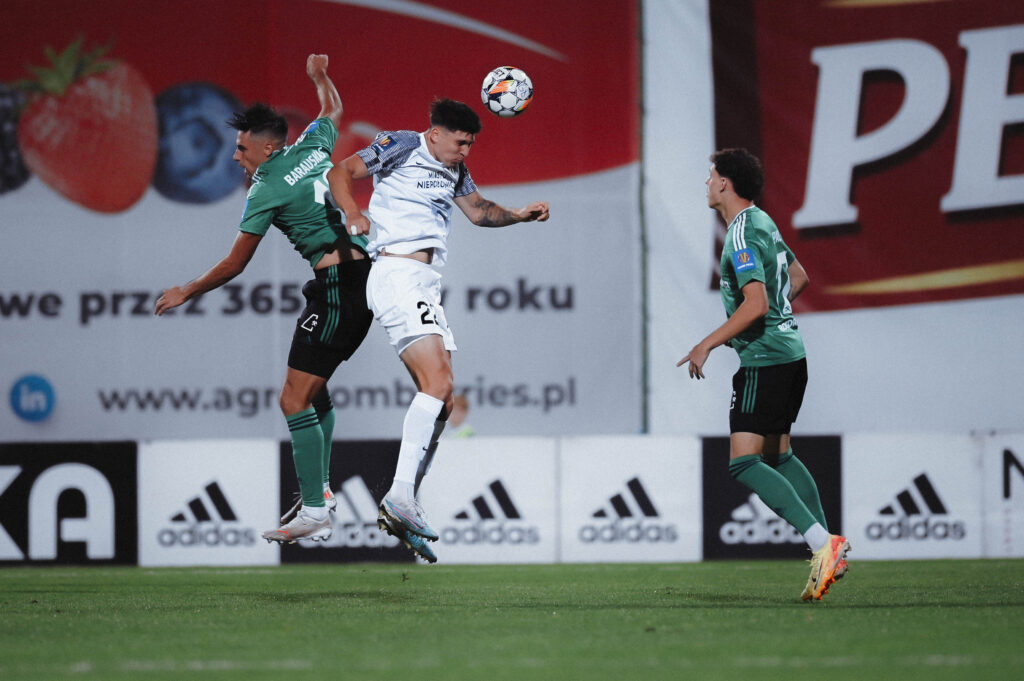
{"x":340,"y":179}
{"x":330,"y":100}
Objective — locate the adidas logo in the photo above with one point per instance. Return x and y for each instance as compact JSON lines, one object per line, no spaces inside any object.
{"x":623,"y":508}
{"x":484,"y":510}
{"x":493,"y":519}
{"x":917,"y":513}
{"x":909,"y":505}
{"x":199,"y":510}
{"x":202,"y":523}
{"x":354,"y":520}
{"x":755,"y":523}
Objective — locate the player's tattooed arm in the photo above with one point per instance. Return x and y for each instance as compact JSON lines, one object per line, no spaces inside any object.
{"x":493,"y":215}
{"x":485,"y":213}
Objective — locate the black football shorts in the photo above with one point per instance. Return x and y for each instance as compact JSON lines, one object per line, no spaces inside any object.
{"x":766,"y":400}
{"x":335,"y":320}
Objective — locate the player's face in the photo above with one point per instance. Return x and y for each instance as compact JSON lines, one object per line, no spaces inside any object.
{"x":715,"y":184}
{"x":451,"y":147}
{"x":250,"y":152}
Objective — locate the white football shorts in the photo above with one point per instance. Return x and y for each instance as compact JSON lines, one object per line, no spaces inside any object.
{"x":405,"y":296}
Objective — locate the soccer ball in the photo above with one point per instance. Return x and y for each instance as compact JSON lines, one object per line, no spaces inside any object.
{"x":507,"y":91}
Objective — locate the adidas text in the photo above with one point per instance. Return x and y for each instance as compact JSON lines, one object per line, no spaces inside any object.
{"x":634,"y":533}
{"x":215,"y":535}
{"x":761,"y":531}
{"x":926,"y":528}
{"x":491,"y":533}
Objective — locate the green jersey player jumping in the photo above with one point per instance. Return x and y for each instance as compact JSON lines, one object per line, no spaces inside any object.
{"x":290,"y":191}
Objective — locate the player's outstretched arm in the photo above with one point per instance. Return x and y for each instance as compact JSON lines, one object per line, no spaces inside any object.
{"x":485,"y":213}
{"x":224,"y":271}
{"x":330,"y":100}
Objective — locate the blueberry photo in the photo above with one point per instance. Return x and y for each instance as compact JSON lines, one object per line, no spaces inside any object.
{"x":196,"y":145}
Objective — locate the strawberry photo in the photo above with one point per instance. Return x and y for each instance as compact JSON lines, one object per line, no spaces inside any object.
{"x":89,"y":128}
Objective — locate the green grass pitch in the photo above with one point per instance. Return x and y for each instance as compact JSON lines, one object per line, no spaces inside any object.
{"x":718,"y":620}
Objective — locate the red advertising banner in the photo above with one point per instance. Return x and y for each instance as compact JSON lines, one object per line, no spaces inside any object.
{"x":892,"y":135}
{"x":151,"y":107}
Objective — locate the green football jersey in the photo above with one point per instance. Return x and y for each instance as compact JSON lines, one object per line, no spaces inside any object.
{"x":754,"y":251}
{"x":290,"y":191}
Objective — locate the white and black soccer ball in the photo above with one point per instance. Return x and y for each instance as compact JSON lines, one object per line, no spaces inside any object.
{"x":507,"y":91}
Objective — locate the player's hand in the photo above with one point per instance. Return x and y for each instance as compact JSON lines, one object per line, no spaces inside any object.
{"x":696,"y":357}
{"x":172,"y":297}
{"x":537,"y":210}
{"x":315,"y":64}
{"x":357,"y":225}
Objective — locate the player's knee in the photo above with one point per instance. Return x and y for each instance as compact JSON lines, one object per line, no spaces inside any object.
{"x":291,"y":402}
{"x":440,"y":385}
{"x":286,"y":404}
{"x":442,"y":388}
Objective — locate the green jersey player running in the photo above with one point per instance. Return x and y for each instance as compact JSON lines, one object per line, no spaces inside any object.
{"x":290,"y":191}
{"x":760,"y":279}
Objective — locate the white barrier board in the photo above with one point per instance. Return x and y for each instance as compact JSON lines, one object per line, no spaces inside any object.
{"x":626,"y":499}
{"x":205,"y":502}
{"x":912,"y":496}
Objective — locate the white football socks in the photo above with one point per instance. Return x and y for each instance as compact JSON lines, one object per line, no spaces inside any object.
{"x":314,"y":512}
{"x":417,"y":433}
{"x":816,"y":536}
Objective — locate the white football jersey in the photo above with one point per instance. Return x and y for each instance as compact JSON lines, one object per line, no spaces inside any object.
{"x":413,"y":195}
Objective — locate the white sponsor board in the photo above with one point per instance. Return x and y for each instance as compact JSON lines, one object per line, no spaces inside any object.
{"x":1002,"y":463}
{"x":523,"y":304}
{"x":206,"y":502}
{"x":912,"y":496}
{"x":494,"y":500}
{"x":629,"y":499}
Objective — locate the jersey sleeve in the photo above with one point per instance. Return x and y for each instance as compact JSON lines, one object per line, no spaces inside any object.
{"x":748,"y":259}
{"x":790,"y":255}
{"x":259,"y":211}
{"x":389,"y":150}
{"x":320,"y":132}
{"x":465,"y":185}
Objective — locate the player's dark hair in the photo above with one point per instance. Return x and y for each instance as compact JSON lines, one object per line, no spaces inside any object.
{"x":260,"y":119}
{"x":743,"y":169}
{"x":456,"y":116}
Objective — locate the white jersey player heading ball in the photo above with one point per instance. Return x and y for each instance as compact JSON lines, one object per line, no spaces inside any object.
{"x":417,"y":178}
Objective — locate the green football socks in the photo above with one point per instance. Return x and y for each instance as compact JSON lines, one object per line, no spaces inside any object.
{"x":307,"y":452}
{"x":325,"y":413}
{"x":793,"y":470}
{"x":774,"y":490}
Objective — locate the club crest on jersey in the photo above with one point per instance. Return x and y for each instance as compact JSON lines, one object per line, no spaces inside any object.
{"x":310,"y":128}
{"x":383,"y":143}
{"x":744,"y":260}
